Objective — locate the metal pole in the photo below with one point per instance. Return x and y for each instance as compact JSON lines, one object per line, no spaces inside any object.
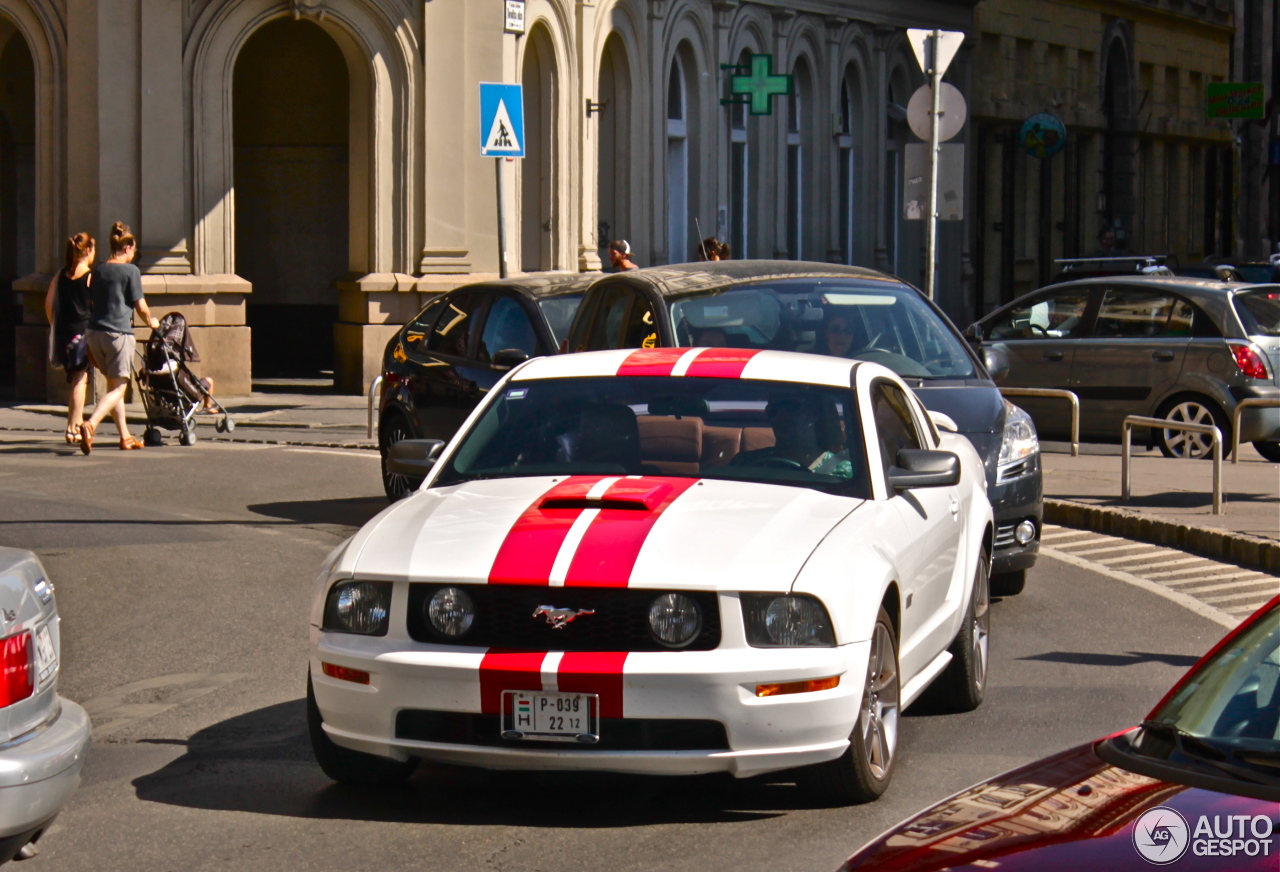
{"x":1216,"y":435}
{"x":931,"y":237}
{"x":1124,"y":461}
{"x":502,"y":221}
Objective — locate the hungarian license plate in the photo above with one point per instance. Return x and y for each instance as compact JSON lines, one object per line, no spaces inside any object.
{"x":550,"y":717}
{"x":46,"y":655}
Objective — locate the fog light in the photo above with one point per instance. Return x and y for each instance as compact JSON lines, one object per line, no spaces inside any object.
{"x":1025,"y":532}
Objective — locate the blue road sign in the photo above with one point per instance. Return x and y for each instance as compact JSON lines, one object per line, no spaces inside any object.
{"x":501,"y":120}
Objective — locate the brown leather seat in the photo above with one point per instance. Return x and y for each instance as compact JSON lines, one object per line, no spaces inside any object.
{"x":755,"y":438}
{"x":720,"y":445}
{"x":671,"y":445}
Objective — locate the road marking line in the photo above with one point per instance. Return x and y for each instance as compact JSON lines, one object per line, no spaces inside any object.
{"x":354,"y":452}
{"x":1251,"y":586}
{"x":1218,"y":616}
{"x":1206,"y":566}
{"x":1061,"y":533}
{"x":1157,"y":556}
{"x":112,"y":709}
{"x":1128,"y":546}
{"x":1233,"y":579}
{"x":1250,"y":608}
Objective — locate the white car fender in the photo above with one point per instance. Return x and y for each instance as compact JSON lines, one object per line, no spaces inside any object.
{"x":850,"y":572}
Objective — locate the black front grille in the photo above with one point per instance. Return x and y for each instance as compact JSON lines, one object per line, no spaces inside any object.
{"x":504,"y":618}
{"x":616,"y":734}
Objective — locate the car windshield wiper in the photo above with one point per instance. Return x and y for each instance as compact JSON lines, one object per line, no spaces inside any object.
{"x":1206,"y":752}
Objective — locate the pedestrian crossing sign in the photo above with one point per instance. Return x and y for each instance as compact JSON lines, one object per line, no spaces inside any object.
{"x":501,"y":120}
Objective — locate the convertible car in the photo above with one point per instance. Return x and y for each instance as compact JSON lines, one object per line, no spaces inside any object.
{"x":668,"y":561}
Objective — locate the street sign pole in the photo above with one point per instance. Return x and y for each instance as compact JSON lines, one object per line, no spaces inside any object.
{"x":502,"y":221}
{"x":931,"y":232}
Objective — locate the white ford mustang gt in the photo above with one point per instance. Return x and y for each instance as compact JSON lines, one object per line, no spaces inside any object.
{"x":667,"y":561}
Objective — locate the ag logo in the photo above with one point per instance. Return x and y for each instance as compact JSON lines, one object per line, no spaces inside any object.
{"x":1161,"y":835}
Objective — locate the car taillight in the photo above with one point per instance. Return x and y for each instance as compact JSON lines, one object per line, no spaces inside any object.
{"x":15,"y":669}
{"x":1250,"y":361}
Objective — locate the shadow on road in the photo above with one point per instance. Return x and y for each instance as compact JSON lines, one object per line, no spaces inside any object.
{"x":261,"y":762}
{"x":350,"y":512}
{"x":1169,"y":499}
{"x":1129,"y":658}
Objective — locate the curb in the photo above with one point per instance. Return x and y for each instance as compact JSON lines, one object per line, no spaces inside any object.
{"x":1252,"y":552}
{"x":362,"y":446}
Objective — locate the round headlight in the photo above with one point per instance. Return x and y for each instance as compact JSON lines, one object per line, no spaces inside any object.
{"x":361,"y":607}
{"x":451,"y":612}
{"x":794,"y":621}
{"x":675,"y":619}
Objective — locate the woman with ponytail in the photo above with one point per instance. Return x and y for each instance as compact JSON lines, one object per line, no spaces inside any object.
{"x":67,"y":307}
{"x":115,"y":294}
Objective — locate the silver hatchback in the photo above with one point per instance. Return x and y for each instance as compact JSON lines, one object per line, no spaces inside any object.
{"x":43,"y":737}
{"x":1164,"y":346}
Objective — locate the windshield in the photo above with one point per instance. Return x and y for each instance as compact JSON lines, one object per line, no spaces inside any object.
{"x":738,"y":429}
{"x":559,"y":312}
{"x":1260,"y":311}
{"x":1256,"y":272}
{"x":884,"y":322}
{"x":1228,"y":715}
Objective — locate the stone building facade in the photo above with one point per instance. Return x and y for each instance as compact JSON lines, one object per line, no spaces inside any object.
{"x":302,"y":174}
{"x":1128,"y":78}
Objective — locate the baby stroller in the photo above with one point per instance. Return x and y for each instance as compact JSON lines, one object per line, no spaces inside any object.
{"x":171,"y":392}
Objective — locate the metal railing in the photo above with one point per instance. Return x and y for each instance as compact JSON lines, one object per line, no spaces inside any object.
{"x":374,"y":387}
{"x":1164,"y":424}
{"x":1054,"y":393}
{"x":1250,"y":403}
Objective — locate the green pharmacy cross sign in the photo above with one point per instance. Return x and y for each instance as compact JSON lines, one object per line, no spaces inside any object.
{"x":756,"y":85}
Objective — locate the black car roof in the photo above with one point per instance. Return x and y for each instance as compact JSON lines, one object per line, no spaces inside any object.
{"x":681,"y":278}
{"x":1187,"y":284}
{"x":537,"y":286}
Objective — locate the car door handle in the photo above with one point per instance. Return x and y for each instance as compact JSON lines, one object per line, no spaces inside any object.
{"x":1162,"y":355}
{"x":1054,"y":355}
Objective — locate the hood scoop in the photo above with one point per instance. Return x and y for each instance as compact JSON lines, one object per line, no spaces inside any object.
{"x":584,"y":503}
{"x":635,"y":495}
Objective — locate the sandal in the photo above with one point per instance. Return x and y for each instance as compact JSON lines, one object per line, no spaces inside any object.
{"x":131,"y":443}
{"x":72,"y":434}
{"x":86,"y":437}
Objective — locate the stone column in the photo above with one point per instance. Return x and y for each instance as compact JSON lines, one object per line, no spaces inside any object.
{"x":588,"y":140}
{"x":779,"y":191}
{"x":882,"y":39}
{"x":163,"y":226}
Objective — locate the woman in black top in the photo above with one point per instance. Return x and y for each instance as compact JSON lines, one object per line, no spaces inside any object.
{"x":67,"y":307}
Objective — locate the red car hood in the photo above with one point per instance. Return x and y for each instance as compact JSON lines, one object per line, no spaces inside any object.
{"x":1074,"y":812}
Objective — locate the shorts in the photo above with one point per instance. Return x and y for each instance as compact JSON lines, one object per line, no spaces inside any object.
{"x":73,"y":354}
{"x":112,"y":352}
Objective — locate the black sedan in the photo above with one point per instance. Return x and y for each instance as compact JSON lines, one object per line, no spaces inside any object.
{"x":439,"y":365}
{"x":844,"y":312}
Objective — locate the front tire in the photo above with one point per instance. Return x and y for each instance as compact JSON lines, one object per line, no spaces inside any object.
{"x":962,"y":686}
{"x":1191,"y":410}
{"x":863,"y":772}
{"x":1269,"y":450}
{"x":1008,"y":583}
{"x":346,"y":766}
{"x":397,"y":486}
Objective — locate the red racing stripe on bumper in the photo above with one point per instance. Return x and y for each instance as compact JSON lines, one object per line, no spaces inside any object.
{"x":594,"y":672}
{"x":609,"y":549}
{"x":721,"y":362}
{"x":508,"y":670}
{"x":528,"y":553}
{"x":651,"y":361}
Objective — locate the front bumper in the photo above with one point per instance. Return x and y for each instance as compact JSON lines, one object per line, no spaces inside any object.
{"x":764,"y":734}
{"x":1013,"y":501}
{"x":40,"y":770}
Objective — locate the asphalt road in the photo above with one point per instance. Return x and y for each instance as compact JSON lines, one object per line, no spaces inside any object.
{"x":184,"y":575}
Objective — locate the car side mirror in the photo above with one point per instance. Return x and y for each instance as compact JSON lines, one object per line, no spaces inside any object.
{"x":916,"y":468}
{"x":996,"y":360}
{"x":413,"y":457}
{"x":943,"y":421}
{"x":973,"y":333}
{"x":509,"y":358}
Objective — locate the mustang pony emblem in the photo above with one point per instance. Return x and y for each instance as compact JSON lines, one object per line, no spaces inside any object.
{"x":559,"y":618}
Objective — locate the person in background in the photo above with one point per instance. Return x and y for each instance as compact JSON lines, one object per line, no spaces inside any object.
{"x":66,"y":305}
{"x":709,"y":249}
{"x":837,"y":335}
{"x":116,"y":293}
{"x":1106,"y":243}
{"x":620,"y":255}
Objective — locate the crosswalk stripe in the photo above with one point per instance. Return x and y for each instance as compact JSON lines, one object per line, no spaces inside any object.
{"x":1156,"y":564}
{"x":1123,"y":546}
{"x":1203,"y":566}
{"x":1263,"y":583}
{"x":1230,"y":597}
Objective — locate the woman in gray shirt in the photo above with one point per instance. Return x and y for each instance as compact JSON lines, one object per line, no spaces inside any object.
{"x":116,"y":293}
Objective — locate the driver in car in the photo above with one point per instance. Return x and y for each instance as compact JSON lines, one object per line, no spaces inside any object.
{"x":807,"y":435}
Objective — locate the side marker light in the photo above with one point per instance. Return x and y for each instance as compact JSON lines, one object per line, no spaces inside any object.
{"x":344,"y":673}
{"x":797,"y":686}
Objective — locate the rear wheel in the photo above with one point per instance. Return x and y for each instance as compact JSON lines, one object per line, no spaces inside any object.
{"x":863,"y":772}
{"x":187,"y":437}
{"x":1191,"y":410}
{"x":1008,"y":583}
{"x":962,"y":686}
{"x":152,"y":438}
{"x":347,"y":766}
{"x":396,"y":486}
{"x":1269,"y":450}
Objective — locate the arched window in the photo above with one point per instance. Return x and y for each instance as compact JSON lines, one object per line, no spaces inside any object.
{"x":677,"y":164}
{"x":847,"y":159}
{"x":739,"y":174}
{"x":539,"y":242}
{"x":613,"y":168}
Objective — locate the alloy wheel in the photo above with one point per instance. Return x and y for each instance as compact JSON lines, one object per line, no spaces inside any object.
{"x":1183,"y":444}
{"x":878,"y":720}
{"x":981,"y":627}
{"x":397,"y":486}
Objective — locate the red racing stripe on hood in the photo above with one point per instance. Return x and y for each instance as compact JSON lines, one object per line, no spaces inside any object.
{"x":721,"y":362}
{"x":508,"y":670}
{"x":651,"y":361}
{"x":594,"y":672}
{"x":608,"y":551}
{"x":528,"y":553}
